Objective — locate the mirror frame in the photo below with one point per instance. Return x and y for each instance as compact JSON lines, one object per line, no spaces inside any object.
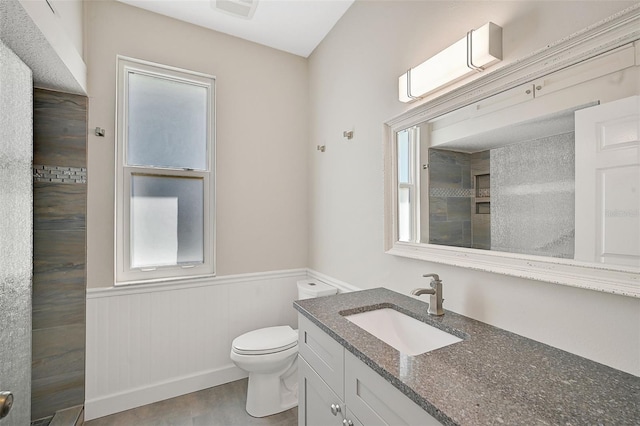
{"x":618,"y":30}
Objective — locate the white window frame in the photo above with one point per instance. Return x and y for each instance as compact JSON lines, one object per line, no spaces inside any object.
{"x":124,"y":273}
{"x":414,"y":183}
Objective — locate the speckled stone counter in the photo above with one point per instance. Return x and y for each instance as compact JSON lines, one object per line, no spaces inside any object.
{"x":491,"y":377}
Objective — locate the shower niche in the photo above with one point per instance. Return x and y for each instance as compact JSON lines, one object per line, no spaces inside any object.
{"x":481,"y":206}
{"x":482,"y":193}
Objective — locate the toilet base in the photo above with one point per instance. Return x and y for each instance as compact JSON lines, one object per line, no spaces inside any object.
{"x":269,"y":394}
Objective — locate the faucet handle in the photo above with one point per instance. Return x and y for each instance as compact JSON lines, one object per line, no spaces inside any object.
{"x":434,"y":276}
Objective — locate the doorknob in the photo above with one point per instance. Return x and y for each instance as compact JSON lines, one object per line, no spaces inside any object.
{"x":6,"y":401}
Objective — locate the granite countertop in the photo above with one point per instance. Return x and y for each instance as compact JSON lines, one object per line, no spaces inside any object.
{"x":491,"y":377}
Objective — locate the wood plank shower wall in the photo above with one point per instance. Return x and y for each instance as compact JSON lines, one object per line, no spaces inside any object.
{"x":59,"y":260}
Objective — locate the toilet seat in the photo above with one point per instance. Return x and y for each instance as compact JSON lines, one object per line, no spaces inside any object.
{"x":265,"y":341}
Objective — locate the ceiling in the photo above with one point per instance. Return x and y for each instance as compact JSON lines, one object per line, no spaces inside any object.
{"x":540,"y":127}
{"x":20,"y":34}
{"x":294,"y":26}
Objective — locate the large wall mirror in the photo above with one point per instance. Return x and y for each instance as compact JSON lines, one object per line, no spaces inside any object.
{"x":532,"y":170}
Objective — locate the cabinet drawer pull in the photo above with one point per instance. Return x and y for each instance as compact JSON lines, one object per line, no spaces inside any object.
{"x":335,"y":409}
{"x":347,"y":422}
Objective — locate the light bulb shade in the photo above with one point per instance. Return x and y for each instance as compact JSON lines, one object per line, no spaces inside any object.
{"x":480,"y":49}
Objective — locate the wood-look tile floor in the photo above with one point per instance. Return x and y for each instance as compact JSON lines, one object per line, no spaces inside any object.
{"x":218,"y":406}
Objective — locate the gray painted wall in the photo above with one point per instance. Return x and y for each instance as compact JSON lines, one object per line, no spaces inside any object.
{"x":15,"y":233}
{"x":532,"y":197}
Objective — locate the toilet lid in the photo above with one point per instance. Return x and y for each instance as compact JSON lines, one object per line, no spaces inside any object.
{"x":266,"y":341}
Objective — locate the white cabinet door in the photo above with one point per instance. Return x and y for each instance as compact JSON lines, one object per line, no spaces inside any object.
{"x":315,"y":399}
{"x":608,"y":183}
{"x":374,"y":401}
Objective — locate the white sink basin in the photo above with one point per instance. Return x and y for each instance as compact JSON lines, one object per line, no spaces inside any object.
{"x":404,"y":333}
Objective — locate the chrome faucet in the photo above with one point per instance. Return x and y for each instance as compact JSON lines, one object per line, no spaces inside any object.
{"x":435,"y":292}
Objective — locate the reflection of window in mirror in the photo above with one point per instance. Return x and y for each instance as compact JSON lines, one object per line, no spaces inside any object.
{"x":408,"y":201}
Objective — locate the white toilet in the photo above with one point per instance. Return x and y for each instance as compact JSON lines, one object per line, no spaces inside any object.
{"x":270,"y":356}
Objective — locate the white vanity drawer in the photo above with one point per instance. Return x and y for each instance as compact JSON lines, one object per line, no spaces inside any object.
{"x":322,"y":353}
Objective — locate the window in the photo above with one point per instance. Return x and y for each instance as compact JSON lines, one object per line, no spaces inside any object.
{"x":165,"y":173}
{"x":408,"y":204}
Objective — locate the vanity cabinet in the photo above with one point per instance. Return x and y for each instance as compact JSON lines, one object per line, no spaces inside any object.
{"x":318,"y":405}
{"x":321,"y":399}
{"x":336,"y":388}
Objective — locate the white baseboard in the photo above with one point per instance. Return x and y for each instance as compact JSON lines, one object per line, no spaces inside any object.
{"x":110,"y":404}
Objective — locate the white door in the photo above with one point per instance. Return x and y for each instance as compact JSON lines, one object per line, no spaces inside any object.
{"x":608,"y":183}
{"x":16,"y":195}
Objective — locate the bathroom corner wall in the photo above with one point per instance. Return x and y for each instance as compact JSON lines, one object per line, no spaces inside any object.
{"x":59,"y":281}
{"x":260,"y":126}
{"x":353,"y":80}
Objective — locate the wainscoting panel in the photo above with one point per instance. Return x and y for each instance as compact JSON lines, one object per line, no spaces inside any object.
{"x":147,"y":343}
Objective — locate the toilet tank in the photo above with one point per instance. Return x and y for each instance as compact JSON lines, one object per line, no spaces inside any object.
{"x":308,"y":289}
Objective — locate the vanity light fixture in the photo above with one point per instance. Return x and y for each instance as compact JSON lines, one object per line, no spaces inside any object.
{"x":480,"y":49}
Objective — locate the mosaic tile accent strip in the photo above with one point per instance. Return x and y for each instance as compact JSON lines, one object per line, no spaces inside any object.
{"x":451,"y":192}
{"x":59,"y":174}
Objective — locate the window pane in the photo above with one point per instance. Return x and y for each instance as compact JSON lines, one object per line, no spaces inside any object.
{"x":403,"y":156}
{"x":167,"y":123}
{"x":166,"y":221}
{"x":404,"y":214}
